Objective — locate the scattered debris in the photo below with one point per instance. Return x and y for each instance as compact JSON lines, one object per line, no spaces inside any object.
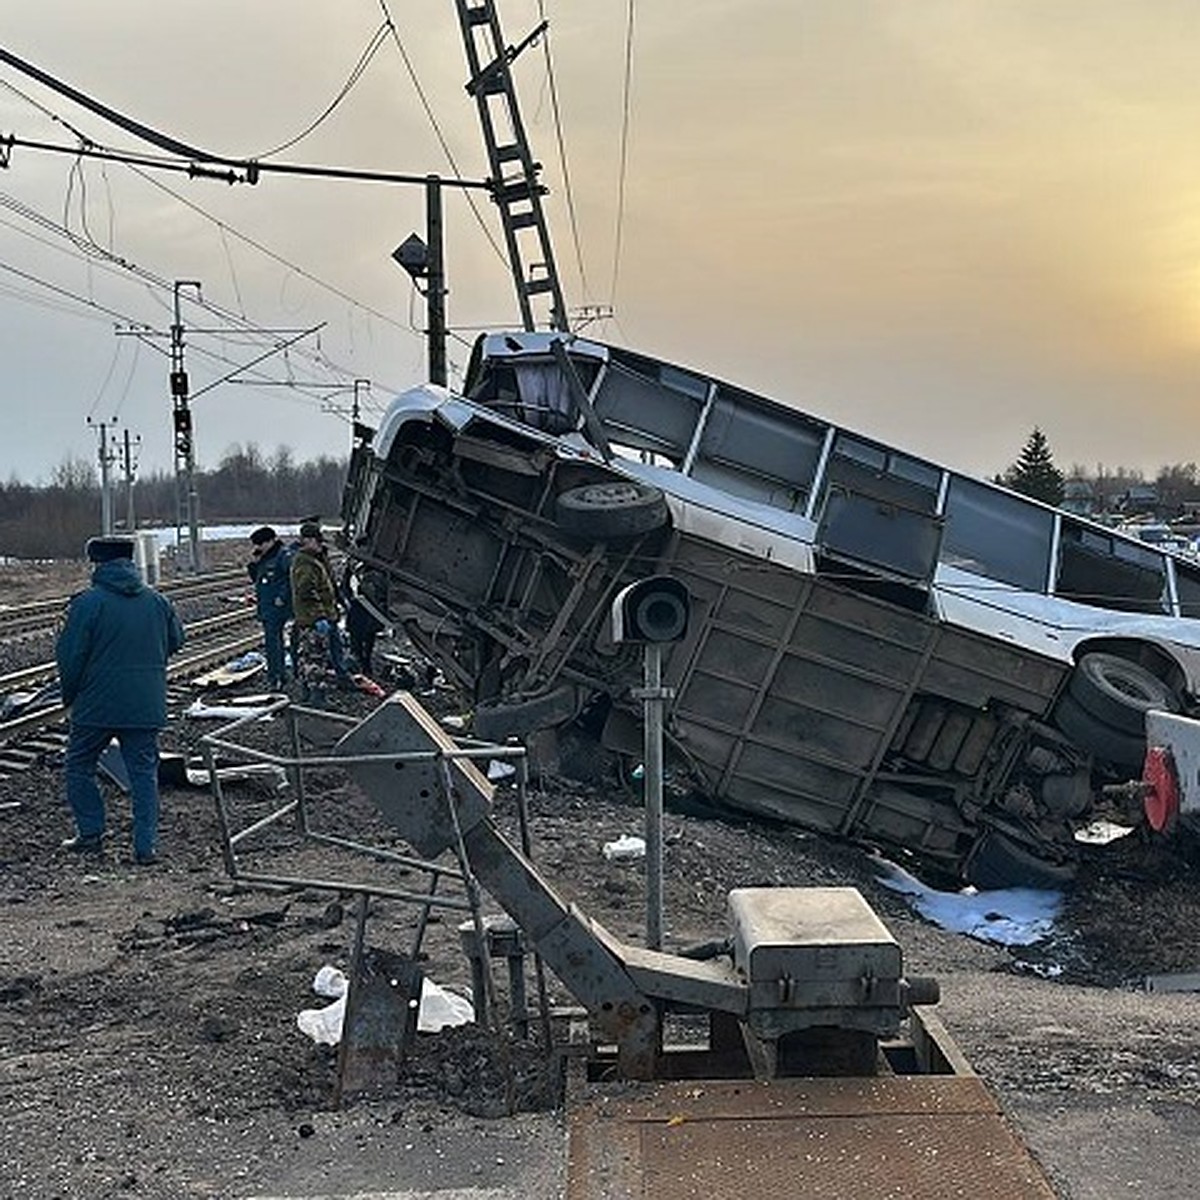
{"x":1184,"y":981}
{"x":626,"y":848}
{"x":1006,"y":916}
{"x":237,"y":670}
{"x":439,"y":1008}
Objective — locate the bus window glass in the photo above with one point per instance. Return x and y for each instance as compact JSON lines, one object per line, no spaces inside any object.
{"x":1097,"y":568}
{"x":881,"y":474}
{"x":1187,"y":585}
{"x":997,"y":535}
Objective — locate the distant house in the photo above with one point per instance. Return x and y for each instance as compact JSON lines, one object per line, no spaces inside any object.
{"x":1079,"y":497}
{"x":1139,"y":499}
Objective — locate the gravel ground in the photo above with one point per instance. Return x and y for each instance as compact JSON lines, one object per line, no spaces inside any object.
{"x":148,"y":1042}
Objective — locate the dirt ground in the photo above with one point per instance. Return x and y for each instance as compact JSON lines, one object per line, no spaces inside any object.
{"x":148,"y":1036}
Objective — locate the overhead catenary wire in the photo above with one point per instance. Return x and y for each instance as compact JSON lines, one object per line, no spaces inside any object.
{"x":107,"y":260}
{"x":115,"y":263}
{"x":364,"y":59}
{"x":626,"y":106}
{"x":437,"y":129}
{"x":112,"y":366}
{"x":560,"y":140}
{"x":299,"y":388}
{"x":252,"y":169}
{"x":239,"y":170}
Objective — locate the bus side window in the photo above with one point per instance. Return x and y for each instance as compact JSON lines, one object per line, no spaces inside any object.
{"x":1000,"y":536}
{"x":1099,"y":569}
{"x":1187,"y":586}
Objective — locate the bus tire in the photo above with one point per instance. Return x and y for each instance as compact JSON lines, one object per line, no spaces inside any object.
{"x":999,"y":861}
{"x":1103,"y":742}
{"x":499,"y":720}
{"x":614,"y":508}
{"x":1118,"y":692}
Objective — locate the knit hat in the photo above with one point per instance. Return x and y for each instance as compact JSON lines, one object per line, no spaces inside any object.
{"x":106,"y":549}
{"x":263,"y":535}
{"x":310,"y":529}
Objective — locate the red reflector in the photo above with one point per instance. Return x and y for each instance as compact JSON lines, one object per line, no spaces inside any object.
{"x":1162,"y":796}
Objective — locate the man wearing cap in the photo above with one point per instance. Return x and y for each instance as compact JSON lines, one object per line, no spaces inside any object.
{"x":112,"y":665}
{"x":314,"y":604}
{"x":270,"y":571}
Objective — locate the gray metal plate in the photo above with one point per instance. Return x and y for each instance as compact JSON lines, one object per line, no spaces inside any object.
{"x":932,"y":1137}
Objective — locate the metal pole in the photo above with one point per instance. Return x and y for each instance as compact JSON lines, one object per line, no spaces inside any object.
{"x":435,"y":280}
{"x":106,"y":506}
{"x":185,"y":449}
{"x":653,"y":753}
{"x":127,"y":465}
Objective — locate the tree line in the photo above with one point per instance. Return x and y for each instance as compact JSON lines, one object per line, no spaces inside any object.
{"x":56,"y":519}
{"x":1173,"y":493}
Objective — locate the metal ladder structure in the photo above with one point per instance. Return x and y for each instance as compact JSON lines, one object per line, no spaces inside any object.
{"x":514,"y":173}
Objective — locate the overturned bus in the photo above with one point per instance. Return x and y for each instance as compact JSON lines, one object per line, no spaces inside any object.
{"x":879,"y":648}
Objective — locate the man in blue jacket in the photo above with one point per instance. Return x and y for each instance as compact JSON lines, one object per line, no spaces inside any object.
{"x":270,"y":569}
{"x":112,"y":665}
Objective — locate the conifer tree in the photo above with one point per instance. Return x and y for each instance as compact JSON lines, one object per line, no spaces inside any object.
{"x":1034,"y":473}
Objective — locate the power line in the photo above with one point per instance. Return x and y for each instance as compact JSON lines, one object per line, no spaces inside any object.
{"x":84,"y":300}
{"x":113,"y":263}
{"x":568,"y":193}
{"x":625,"y":110}
{"x":139,"y":328}
{"x":356,"y":74}
{"x":250,"y":169}
{"x":437,"y":129}
{"x":267,"y":251}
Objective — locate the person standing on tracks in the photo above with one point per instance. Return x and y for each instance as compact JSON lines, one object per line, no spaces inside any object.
{"x":112,"y":666}
{"x":366,"y":602}
{"x":319,"y":654}
{"x":270,"y":571}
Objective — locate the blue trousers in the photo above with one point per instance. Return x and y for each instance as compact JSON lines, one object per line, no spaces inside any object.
{"x":273,"y":649}
{"x":139,"y":749}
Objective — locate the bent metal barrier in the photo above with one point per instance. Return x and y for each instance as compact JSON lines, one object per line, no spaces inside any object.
{"x":863,"y":1091}
{"x":812,"y":968}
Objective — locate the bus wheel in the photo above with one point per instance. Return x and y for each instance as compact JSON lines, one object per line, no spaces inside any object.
{"x":614,"y":509}
{"x":1103,"y":742}
{"x":1119,"y":693}
{"x":999,"y":861}
{"x":498,"y":720}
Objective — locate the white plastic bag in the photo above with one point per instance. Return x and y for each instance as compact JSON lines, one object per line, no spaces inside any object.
{"x":625,"y":848}
{"x":330,"y":982}
{"x":439,"y":1008}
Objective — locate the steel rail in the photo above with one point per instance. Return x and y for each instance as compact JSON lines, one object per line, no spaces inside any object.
{"x":179,"y":669}
{"x":41,"y":672}
{"x":24,"y":618}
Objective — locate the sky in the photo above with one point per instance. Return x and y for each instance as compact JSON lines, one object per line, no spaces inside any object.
{"x":938,"y":222}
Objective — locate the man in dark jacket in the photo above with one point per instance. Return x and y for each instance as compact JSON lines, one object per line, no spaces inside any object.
{"x":112,"y":664}
{"x":366,"y":602}
{"x":270,"y":571}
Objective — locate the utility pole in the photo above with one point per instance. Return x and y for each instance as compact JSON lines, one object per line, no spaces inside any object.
{"x":187,"y":501}
{"x":425,"y":260}
{"x":358,"y":431}
{"x":106,"y":458}
{"x":129,"y":467}
{"x":436,"y":281}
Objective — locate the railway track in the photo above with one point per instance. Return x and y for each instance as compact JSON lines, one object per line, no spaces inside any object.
{"x":36,"y":616}
{"x":26,"y":739}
